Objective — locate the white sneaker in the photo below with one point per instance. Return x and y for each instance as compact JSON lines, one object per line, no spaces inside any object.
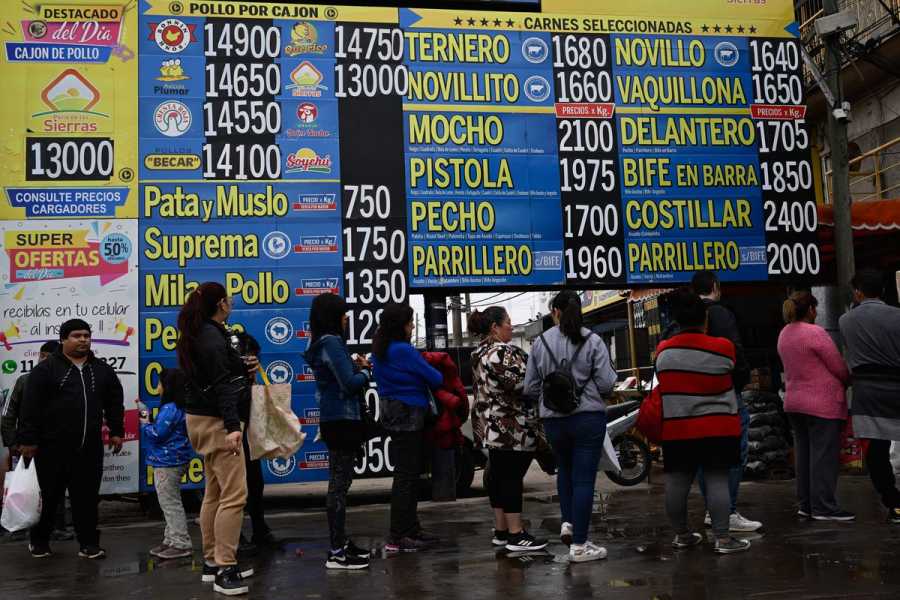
{"x":565,"y":534}
{"x":737,"y":522}
{"x":707,"y":520}
{"x":586,"y":552}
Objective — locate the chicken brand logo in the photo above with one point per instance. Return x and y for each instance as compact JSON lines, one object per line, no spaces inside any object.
{"x":305,"y":40}
{"x":70,"y":92}
{"x":172,"y":35}
{"x":307,"y":160}
{"x":306,"y":81}
{"x":172,"y":118}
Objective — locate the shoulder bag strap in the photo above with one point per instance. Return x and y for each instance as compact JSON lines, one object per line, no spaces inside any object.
{"x":550,"y":352}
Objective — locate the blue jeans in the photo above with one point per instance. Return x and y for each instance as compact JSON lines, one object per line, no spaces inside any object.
{"x":735,"y":474}
{"x":577,"y":442}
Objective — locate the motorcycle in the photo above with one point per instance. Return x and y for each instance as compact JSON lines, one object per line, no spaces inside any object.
{"x":632,"y":452}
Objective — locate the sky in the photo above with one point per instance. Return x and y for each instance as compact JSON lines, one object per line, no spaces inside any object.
{"x":522,"y":308}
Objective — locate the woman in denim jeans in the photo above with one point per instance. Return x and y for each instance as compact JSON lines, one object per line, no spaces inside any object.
{"x":339,"y":385}
{"x":577,"y":437}
{"x":404,"y":383}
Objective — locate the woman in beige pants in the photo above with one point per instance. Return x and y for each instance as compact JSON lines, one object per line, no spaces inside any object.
{"x":218,"y":400}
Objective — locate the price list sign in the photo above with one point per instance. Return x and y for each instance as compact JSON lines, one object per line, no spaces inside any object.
{"x":241,"y":111}
{"x":290,"y":150}
{"x":615,"y":150}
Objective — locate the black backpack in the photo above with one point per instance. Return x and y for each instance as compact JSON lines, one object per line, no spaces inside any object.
{"x":561,"y":393}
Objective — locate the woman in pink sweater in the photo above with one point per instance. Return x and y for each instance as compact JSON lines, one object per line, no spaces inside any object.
{"x":816,"y":379}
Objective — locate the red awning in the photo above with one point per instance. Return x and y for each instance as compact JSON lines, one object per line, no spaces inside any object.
{"x":867,"y":218}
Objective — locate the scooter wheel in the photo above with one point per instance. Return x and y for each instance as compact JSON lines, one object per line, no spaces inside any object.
{"x":634,"y":458}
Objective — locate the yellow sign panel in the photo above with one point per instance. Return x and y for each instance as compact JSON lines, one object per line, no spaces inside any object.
{"x":648,"y":17}
{"x":271,"y":10}
{"x":69,"y":139}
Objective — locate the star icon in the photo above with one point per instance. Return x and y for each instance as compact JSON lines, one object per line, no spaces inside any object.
{"x":471,"y":22}
{"x":717,"y":29}
{"x":728,"y":29}
{"x":497,"y":22}
{"x":752,"y":29}
{"x":705,"y":28}
{"x":510,"y":23}
{"x":484,"y":22}
{"x":740,"y":29}
{"x":457,"y":21}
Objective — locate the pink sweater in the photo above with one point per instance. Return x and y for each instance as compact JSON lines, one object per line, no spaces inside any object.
{"x":815,"y":374}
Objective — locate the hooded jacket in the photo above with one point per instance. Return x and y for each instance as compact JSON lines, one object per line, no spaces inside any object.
{"x":338,"y":383}
{"x":166,"y":438}
{"x":446,"y":432}
{"x":65,"y":406}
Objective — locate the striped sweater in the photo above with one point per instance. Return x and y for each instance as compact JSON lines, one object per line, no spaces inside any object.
{"x":698,"y":399}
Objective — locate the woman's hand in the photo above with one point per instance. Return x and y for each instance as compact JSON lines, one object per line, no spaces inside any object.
{"x":233,"y":442}
{"x":251,"y":363}
{"x":362,"y":362}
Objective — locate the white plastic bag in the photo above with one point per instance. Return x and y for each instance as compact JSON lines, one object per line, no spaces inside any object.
{"x":21,"y":498}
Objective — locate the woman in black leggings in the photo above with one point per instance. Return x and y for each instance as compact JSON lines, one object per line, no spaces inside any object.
{"x":503,"y":424}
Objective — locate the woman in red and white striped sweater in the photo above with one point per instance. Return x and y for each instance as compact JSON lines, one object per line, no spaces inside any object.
{"x":701,"y":426}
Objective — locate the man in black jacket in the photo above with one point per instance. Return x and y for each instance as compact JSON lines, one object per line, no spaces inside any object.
{"x":67,"y":397}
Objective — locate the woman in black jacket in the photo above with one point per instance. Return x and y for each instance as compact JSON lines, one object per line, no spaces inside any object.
{"x":219,"y":392}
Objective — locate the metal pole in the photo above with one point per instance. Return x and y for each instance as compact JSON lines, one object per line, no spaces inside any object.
{"x":456,"y":305}
{"x":837,"y":139}
{"x":632,"y":345}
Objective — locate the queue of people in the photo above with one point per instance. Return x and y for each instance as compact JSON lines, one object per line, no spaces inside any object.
{"x":557,"y":394}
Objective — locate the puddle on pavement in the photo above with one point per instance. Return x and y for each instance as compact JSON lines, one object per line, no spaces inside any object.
{"x":627,"y":583}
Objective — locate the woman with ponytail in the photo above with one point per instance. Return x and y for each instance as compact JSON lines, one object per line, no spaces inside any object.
{"x":577,"y":436}
{"x":815,"y":401}
{"x":504,"y":423}
{"x":218,"y":400}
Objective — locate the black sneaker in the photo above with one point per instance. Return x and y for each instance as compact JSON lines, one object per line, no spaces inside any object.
{"x":353,"y":550}
{"x":424,"y":536}
{"x":343,"y":560}
{"x":840,"y":515}
{"x":894,"y":516}
{"x":210,"y":571}
{"x":92,"y":552}
{"x":39,"y":550}
{"x":519,"y":542}
{"x":229,"y":582}
{"x":406,"y":544}
{"x":501,"y":536}
{"x":245,"y":546}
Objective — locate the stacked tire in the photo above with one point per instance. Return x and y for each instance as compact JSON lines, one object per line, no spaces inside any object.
{"x":769,"y":452}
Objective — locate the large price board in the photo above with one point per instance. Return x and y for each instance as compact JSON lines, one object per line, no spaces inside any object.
{"x":289,"y":150}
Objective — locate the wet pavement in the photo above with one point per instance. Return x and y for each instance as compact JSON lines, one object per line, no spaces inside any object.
{"x":789,"y":559}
